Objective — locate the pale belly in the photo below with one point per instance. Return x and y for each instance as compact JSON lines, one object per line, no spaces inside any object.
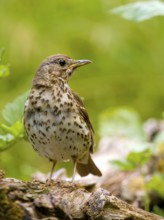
{"x":59,"y":137}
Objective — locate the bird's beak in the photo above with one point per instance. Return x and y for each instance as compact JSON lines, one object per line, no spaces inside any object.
{"x":77,"y":63}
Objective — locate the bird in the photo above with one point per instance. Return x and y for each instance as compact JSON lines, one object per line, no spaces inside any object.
{"x":55,"y":118}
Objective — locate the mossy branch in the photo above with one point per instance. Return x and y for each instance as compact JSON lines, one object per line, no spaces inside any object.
{"x":62,"y":200}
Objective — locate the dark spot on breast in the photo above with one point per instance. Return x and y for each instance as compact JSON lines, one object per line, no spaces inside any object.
{"x":43,"y":134}
{"x":38,"y":97}
{"x":40,"y":124}
{"x":42,"y":91}
{"x":73,"y":157}
{"x":34,"y":147}
{"x":59,"y":112}
{"x":68,"y":95}
{"x":55,"y":108}
{"x":69,"y":130}
{"x":58,"y":93}
{"x":75,"y":123}
{"x":33,"y":102}
{"x":38,"y":109}
{"x":30,"y":113}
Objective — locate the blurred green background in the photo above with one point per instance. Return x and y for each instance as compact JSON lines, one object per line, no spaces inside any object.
{"x":127,"y":68}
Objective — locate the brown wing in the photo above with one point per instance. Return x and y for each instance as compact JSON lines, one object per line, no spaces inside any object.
{"x":85,"y":117}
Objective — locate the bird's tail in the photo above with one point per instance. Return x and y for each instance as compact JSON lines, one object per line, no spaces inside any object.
{"x":90,"y":167}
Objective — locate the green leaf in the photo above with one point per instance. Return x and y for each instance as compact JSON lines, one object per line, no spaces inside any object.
{"x":159,"y":211}
{"x":12,"y":134}
{"x":156,"y":184}
{"x":6,"y":141}
{"x":123,"y":122}
{"x":13,"y":111}
{"x":139,"y":158}
{"x":4,"y":71}
{"x":123,"y":165}
{"x":134,"y":160}
{"x":14,"y":131}
{"x":17,"y":129}
{"x":140,"y":11}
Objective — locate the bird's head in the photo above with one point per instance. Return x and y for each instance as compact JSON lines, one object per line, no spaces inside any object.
{"x":58,"y":66}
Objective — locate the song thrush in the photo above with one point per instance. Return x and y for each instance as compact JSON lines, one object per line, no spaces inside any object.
{"x":55,"y":119}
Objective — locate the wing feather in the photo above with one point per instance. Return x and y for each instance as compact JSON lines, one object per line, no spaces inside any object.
{"x":85,"y":116}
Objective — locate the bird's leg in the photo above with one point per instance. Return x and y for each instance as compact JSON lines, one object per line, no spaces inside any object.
{"x":52,"y":170}
{"x":74,"y":171}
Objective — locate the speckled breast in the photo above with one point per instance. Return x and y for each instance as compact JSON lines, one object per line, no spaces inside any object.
{"x":54,"y":126}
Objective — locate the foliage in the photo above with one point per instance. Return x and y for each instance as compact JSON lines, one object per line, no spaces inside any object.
{"x":134,"y":160}
{"x":13,"y":111}
{"x":156,"y":184}
{"x":158,"y":210}
{"x":13,"y":130}
{"x":140,"y":11}
{"x":119,"y":119}
{"x":127,"y":66}
{"x":114,"y":123}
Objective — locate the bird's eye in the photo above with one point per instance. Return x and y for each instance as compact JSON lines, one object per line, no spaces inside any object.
{"x":62,"y":62}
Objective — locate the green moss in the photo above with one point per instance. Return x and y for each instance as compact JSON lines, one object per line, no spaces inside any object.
{"x":9,"y":210}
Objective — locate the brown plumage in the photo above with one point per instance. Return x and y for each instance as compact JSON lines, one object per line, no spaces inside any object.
{"x":55,"y":119}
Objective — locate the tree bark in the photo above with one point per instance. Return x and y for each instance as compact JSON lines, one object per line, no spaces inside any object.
{"x":63,"y":200}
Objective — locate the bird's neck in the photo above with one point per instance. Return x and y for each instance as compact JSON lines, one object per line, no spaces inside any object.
{"x":44,"y":77}
{"x":43,"y":82}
